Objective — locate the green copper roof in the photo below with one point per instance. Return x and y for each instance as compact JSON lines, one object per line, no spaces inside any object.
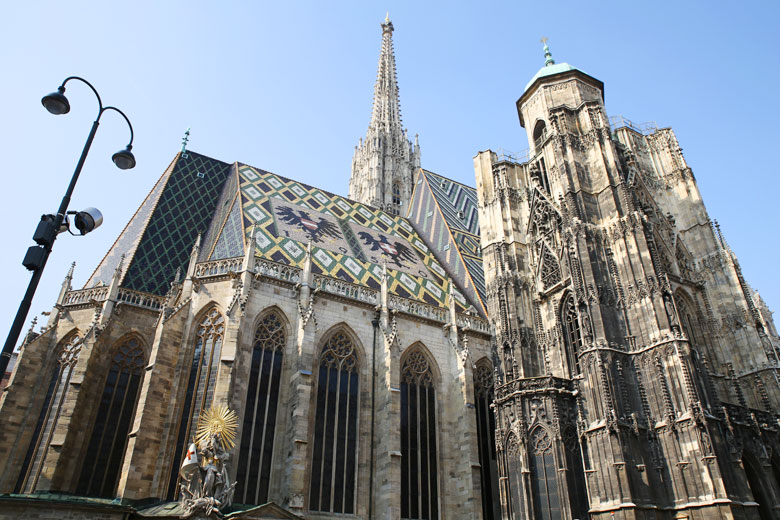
{"x":550,"y":67}
{"x":549,"y":70}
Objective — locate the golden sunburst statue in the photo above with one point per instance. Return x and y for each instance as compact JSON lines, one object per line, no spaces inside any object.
{"x":218,"y":420}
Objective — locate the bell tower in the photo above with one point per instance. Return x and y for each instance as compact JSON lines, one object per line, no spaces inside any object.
{"x":384,"y":162}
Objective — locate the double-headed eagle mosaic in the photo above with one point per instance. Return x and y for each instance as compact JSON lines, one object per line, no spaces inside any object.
{"x":397,"y":252}
{"x":304,"y":221}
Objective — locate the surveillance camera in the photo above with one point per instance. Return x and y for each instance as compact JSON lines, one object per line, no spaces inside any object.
{"x":88,"y":220}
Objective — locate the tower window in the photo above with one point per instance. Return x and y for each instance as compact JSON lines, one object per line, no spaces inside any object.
{"x":540,"y":134}
{"x":572,"y":336}
{"x":395,"y":209}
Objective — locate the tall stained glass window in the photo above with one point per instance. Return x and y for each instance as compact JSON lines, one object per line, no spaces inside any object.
{"x":100,"y":472}
{"x":334,"y":456}
{"x":67,"y":356}
{"x":544,"y":476}
{"x":486,"y":427}
{"x":572,"y":336}
{"x":419,"y":474}
{"x":200,"y":384}
{"x":262,"y":397}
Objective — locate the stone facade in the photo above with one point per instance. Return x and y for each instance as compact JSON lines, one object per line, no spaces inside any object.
{"x":637,"y":373}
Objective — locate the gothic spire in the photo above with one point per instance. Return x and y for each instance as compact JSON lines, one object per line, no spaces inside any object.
{"x":384,"y":163}
{"x":386,"y":114}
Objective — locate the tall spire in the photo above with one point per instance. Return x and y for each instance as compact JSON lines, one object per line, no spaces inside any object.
{"x":387,"y":107}
{"x":384,"y":163}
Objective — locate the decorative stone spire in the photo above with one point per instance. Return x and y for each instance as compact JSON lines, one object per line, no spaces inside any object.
{"x":384,"y":163}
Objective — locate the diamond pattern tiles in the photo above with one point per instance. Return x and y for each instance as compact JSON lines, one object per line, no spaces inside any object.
{"x":349,"y":240}
{"x":231,"y":240}
{"x":128,"y":239}
{"x":185,"y":208}
{"x":458,"y":250}
{"x":224,"y":206}
{"x":457,"y":201}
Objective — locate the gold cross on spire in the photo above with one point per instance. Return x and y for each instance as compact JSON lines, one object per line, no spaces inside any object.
{"x":544,"y":39}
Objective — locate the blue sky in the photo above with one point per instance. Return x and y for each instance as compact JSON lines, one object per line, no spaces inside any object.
{"x":287,"y":87}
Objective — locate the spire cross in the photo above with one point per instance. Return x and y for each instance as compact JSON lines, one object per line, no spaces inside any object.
{"x":544,"y":40}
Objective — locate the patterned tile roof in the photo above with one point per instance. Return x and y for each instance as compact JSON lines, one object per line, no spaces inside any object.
{"x":349,"y":240}
{"x":445,"y":214}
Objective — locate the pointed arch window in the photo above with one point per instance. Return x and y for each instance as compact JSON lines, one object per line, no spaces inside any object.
{"x":419,"y":473}
{"x":262,"y":398}
{"x":200,"y":384}
{"x":68,"y":356}
{"x":550,"y":270}
{"x":334,"y":455}
{"x":572,"y":335}
{"x":100,"y":473}
{"x":544,"y":476}
{"x":486,"y":427}
{"x":513,"y":484}
{"x":578,"y":493}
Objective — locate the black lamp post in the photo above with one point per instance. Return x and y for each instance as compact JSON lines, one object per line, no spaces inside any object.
{"x":51,"y":225}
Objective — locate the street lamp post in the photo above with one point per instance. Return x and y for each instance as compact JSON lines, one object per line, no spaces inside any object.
{"x":51,"y":225}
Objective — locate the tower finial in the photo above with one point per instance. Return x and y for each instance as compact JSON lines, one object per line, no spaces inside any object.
{"x":548,"y":59}
{"x":387,"y":16}
{"x":185,"y":140}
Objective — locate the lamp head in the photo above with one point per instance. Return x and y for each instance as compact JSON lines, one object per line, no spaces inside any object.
{"x":56,"y":102}
{"x":124,"y":159}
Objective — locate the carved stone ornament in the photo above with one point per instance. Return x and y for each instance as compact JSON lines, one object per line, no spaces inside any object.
{"x":206,"y":489}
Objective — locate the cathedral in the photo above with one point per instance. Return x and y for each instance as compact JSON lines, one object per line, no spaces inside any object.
{"x":571,"y":339}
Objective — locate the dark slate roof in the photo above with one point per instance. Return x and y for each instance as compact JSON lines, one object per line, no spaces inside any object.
{"x":444,"y":213}
{"x":158,"y":239}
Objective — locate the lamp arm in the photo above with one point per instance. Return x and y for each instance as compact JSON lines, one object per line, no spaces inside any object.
{"x":100,"y":102}
{"x":115,"y":109}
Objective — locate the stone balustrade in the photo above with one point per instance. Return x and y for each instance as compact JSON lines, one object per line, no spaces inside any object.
{"x":127,"y":296}
{"x":218,"y":267}
{"x":346,"y":289}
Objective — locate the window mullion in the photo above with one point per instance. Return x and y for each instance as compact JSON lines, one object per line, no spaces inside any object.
{"x":335,"y":439}
{"x":253,"y":428}
{"x":265,"y":422}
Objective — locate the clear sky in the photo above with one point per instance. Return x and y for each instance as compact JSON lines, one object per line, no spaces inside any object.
{"x":287,"y":87}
